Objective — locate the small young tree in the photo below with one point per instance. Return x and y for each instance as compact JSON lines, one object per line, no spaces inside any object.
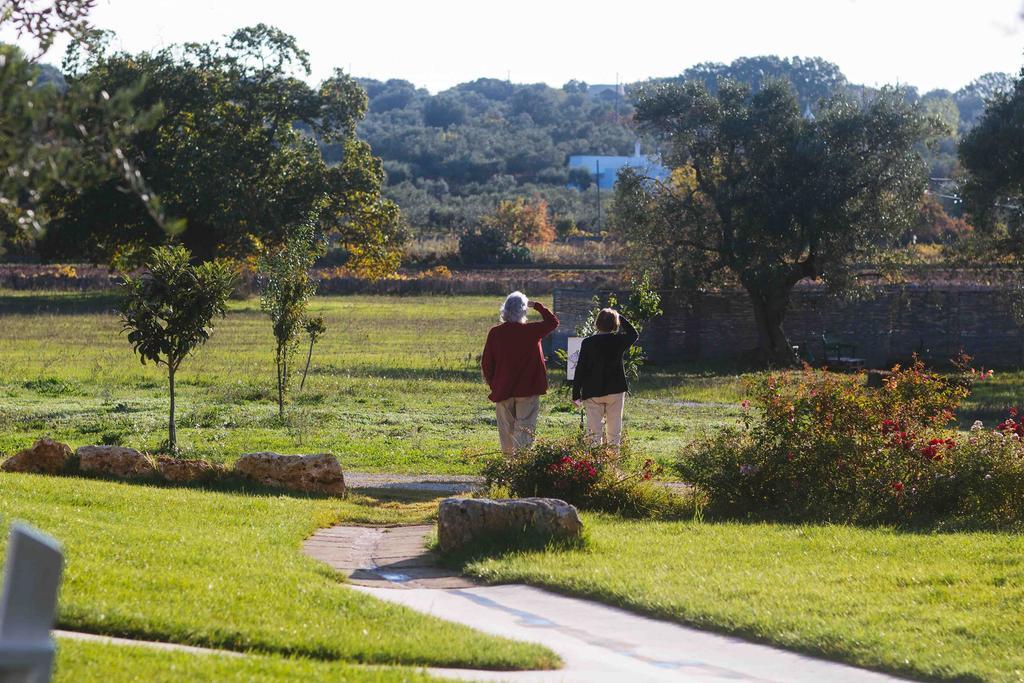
{"x":286,"y":294}
{"x":315,"y":328}
{"x":170,"y":310}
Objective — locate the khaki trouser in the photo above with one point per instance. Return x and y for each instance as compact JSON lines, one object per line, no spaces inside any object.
{"x":517,"y":422}
{"x":604,"y":420}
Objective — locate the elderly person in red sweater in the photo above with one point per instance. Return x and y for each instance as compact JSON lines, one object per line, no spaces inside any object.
{"x":513,"y":365}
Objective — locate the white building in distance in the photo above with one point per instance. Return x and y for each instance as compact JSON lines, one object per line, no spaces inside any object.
{"x":605,"y":169}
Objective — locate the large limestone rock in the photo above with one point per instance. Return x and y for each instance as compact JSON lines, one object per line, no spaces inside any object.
{"x":46,"y":456}
{"x":115,"y":461}
{"x":307,"y":473}
{"x":178,"y":471}
{"x":462,"y":520}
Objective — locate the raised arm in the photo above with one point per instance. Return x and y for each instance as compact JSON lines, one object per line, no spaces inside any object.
{"x":549,"y":323}
{"x":627,"y":332}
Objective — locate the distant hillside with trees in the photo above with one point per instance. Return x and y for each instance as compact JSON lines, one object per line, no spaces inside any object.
{"x":450,"y":158}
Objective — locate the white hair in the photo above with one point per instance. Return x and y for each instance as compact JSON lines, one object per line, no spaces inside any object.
{"x":514,"y":308}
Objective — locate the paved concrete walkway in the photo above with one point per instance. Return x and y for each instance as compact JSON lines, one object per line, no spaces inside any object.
{"x":597,"y":642}
{"x":442,"y":484}
{"x":151,"y":644}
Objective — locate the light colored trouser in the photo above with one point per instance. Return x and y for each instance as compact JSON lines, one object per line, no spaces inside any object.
{"x":606,"y":409}
{"x":517,"y":422}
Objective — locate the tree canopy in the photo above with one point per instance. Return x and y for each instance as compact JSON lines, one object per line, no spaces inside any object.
{"x":993,"y":155}
{"x":233,"y":153}
{"x":47,"y":128}
{"x":764,"y":197}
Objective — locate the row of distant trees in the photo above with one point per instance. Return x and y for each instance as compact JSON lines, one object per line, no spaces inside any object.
{"x":451,"y":157}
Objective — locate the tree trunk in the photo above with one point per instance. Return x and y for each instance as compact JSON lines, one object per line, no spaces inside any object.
{"x":769,"y":313}
{"x":280,"y":384}
{"x":305,"y":370}
{"x":172,"y":430}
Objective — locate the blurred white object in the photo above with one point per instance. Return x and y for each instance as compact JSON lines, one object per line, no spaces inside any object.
{"x":28,"y":605}
{"x":572,"y":350}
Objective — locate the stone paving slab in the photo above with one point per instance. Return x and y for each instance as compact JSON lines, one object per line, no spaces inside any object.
{"x":392,"y":557}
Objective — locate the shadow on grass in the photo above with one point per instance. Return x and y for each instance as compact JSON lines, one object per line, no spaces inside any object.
{"x":504,"y":545}
{"x":59,"y":303}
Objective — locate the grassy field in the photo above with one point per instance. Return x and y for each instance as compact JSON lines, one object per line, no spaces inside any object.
{"x":941,"y":606}
{"x":395,"y":386}
{"x":224,"y":570}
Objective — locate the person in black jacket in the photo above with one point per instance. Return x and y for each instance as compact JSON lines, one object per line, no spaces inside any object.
{"x":600,"y":380}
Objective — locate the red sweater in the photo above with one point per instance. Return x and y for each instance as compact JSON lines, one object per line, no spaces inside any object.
{"x":513,"y":362}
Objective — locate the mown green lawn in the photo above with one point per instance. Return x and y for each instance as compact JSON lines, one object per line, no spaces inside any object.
{"x":224,"y":570}
{"x":395,"y":385}
{"x":943,"y":606}
{"x":88,"y":662}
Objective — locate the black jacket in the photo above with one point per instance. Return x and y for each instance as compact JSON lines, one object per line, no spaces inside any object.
{"x":599,"y":369}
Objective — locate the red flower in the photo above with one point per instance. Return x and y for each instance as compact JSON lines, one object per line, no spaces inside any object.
{"x":897,"y":486}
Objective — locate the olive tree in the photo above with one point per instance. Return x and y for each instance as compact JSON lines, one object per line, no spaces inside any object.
{"x":170,"y":309}
{"x":994,"y":188}
{"x":764,"y":197}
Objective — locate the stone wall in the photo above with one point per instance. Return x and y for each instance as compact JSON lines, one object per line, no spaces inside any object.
{"x":934,"y":321}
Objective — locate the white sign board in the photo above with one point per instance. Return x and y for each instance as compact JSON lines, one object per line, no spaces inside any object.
{"x":572,"y":352}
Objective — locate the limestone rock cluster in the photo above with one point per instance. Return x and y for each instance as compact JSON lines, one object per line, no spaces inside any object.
{"x":461,"y":521}
{"x":45,"y":456}
{"x":304,"y":473}
{"x":308,"y":473}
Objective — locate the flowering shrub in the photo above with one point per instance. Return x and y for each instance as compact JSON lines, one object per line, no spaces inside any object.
{"x":823,"y":447}
{"x":589,"y":478}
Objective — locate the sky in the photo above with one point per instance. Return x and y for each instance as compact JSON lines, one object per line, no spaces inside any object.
{"x":439,"y":43}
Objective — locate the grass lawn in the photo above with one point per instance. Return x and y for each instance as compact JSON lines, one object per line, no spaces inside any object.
{"x":85,"y":662}
{"x":943,"y":606}
{"x":395,"y":385}
{"x":224,"y":570}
